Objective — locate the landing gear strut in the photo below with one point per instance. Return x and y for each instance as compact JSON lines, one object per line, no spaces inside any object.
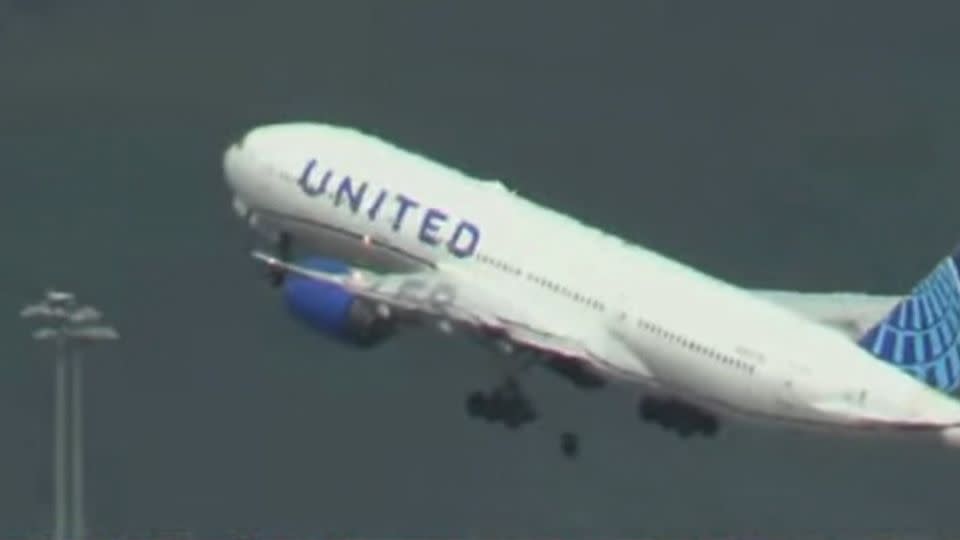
{"x":283,"y":247}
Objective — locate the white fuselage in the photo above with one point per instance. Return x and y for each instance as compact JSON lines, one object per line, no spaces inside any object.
{"x":654,"y":319}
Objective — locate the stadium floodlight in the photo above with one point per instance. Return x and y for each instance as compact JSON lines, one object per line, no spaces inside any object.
{"x":45,"y":334}
{"x":53,"y":295}
{"x":66,"y":323}
{"x":44,"y":310}
{"x":88,"y":334}
{"x":85,"y":314}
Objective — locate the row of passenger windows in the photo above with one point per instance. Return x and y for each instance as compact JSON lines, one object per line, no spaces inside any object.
{"x":588,"y":301}
{"x":596,"y":304}
{"x":498,"y":264}
{"x":696,"y":347}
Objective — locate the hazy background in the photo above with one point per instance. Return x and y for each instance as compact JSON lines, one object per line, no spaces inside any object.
{"x":809,"y":147}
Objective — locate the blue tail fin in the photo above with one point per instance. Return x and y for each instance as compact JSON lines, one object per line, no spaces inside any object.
{"x":921,"y":335}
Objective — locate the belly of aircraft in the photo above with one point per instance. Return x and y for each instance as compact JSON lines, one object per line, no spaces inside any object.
{"x":746,"y":390}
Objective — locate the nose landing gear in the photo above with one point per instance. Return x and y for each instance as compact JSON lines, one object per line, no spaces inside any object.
{"x":283,"y":247}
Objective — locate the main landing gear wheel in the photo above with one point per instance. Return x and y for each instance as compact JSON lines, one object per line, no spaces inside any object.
{"x":684,"y":419}
{"x":505,"y":404}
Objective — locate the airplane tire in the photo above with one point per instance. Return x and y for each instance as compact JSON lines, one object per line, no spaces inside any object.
{"x":569,"y":445}
{"x":517,"y":412}
{"x":685,"y":420}
{"x":650,"y":410}
{"x":686,"y":429}
{"x":513,"y":422}
{"x":480,"y":405}
{"x":502,"y":405}
{"x":476,"y":404}
{"x":710,"y":426}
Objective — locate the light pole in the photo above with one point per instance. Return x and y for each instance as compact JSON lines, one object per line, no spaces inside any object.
{"x":68,"y":323}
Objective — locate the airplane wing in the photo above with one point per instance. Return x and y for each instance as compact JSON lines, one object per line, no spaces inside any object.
{"x":851,"y":313}
{"x":438,"y":296}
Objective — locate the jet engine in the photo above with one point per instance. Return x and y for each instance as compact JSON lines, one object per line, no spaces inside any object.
{"x":332,"y":310}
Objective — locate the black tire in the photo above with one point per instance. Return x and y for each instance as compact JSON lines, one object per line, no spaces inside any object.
{"x":529,"y":415}
{"x":477,"y":405}
{"x":710,"y":426}
{"x":496,"y":408}
{"x":569,"y":444}
{"x":522,"y":412}
{"x":513,"y":421}
{"x":650,"y":410}
{"x":514,"y":411}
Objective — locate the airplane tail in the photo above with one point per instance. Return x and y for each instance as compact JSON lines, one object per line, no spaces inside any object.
{"x":921,"y":335}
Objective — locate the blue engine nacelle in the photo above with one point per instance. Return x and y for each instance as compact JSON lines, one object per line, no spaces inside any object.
{"x":332,"y":310}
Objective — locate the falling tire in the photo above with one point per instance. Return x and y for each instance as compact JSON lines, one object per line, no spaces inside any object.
{"x":477,"y":405}
{"x":569,"y":445}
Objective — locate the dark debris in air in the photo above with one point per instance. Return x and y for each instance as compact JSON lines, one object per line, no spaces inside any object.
{"x":569,"y":444}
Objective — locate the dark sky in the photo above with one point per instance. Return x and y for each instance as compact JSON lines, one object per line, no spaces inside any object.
{"x":807,"y":147}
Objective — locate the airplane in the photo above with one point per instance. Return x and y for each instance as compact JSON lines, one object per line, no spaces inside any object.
{"x":365,"y":239}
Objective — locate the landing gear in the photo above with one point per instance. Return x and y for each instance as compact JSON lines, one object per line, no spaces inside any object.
{"x":505,"y":404}
{"x":684,"y":419}
{"x":283,"y":247}
{"x":508,"y":405}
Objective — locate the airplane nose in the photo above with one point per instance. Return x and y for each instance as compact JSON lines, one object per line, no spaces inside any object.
{"x":231,"y":165}
{"x":230,"y":162}
{"x":234,"y":173}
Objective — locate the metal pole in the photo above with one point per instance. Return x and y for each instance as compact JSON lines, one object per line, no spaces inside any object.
{"x":78,"y":452}
{"x":59,"y":443}
{"x":71,"y":322}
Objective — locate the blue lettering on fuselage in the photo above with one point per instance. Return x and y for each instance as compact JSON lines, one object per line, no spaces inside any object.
{"x":464,"y":241}
{"x":377,"y":203}
{"x":431,"y":226}
{"x":355,"y":197}
{"x":405,"y":204}
{"x":461,"y":242}
{"x":307,"y":182}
